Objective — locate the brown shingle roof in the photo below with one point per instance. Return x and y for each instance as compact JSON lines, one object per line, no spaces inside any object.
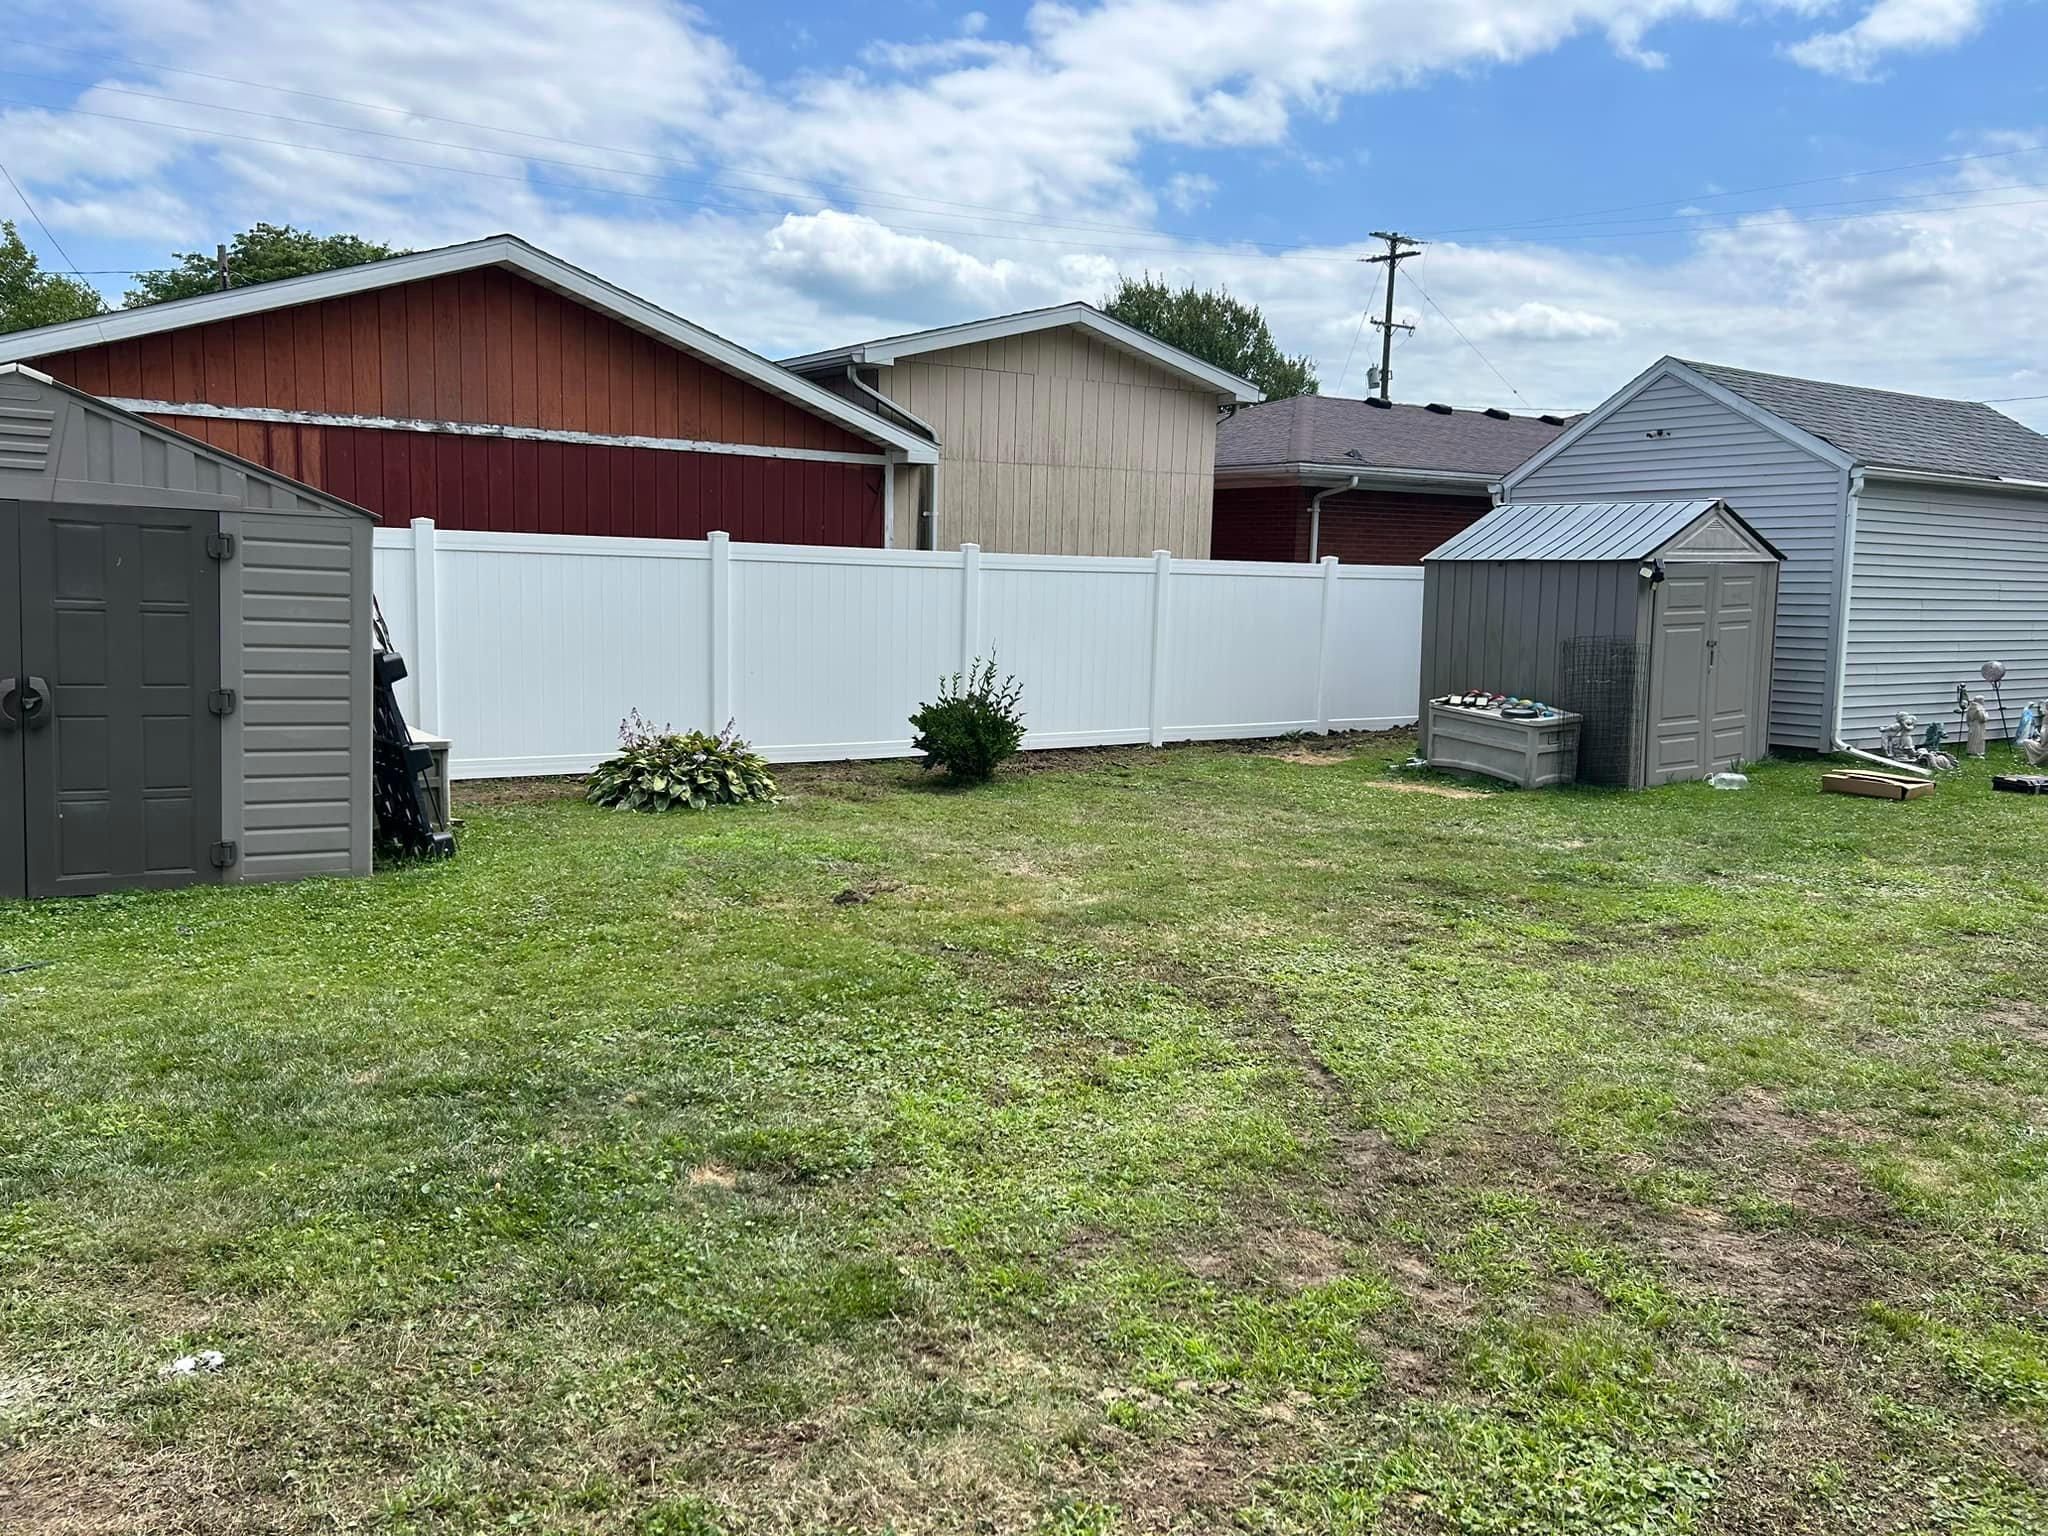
{"x":1327,"y":429}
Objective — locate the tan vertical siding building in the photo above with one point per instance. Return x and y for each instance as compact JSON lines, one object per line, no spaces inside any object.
{"x":1060,"y":431}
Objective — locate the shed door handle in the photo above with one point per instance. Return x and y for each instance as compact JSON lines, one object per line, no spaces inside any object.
{"x":35,"y":703}
{"x":10,"y":687}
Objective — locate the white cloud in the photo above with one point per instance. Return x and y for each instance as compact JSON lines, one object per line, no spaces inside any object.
{"x":860,"y":260}
{"x":1535,"y":321}
{"x":856,"y":199}
{"x":1186,"y":191}
{"x":1858,"y":52}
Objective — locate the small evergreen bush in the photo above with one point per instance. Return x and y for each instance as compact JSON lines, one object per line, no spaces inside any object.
{"x":666,"y":770}
{"x":972,"y":725}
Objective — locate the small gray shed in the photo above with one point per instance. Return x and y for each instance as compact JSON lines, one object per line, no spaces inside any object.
{"x":185,"y":645}
{"x":1653,"y":619}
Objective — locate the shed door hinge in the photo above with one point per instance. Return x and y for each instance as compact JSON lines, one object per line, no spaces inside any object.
{"x":225,"y":854}
{"x":220,"y":546}
{"x":221,"y":701}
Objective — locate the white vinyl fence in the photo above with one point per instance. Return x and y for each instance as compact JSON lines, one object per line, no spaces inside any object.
{"x":526,"y":649}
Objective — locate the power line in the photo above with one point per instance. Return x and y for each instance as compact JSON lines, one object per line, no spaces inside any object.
{"x":871,"y":196}
{"x":1352,"y":351}
{"x":1776,"y":186}
{"x":1470,"y":343}
{"x":1560,"y":221}
{"x":1297,"y":252}
{"x":31,"y":207}
{"x":1551,"y":228}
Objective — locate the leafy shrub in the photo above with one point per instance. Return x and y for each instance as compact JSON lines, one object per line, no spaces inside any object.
{"x":667,"y":770}
{"x":972,"y":725}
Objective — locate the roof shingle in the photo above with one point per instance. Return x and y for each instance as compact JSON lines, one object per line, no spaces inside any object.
{"x":1882,"y":427}
{"x":1328,"y":429}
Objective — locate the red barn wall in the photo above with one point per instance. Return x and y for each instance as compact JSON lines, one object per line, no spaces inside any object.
{"x":1358,"y":527}
{"x":485,"y":347}
{"x":516,"y":485}
{"x":491,"y":348}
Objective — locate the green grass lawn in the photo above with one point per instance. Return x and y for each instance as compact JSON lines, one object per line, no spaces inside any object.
{"x":1189,"y":1140}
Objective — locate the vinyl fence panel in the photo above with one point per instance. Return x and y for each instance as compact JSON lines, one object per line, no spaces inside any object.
{"x":528,"y":649}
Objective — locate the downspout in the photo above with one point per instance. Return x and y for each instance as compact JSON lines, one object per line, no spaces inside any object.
{"x":1315,"y":516}
{"x":890,"y":407}
{"x":1842,"y":654}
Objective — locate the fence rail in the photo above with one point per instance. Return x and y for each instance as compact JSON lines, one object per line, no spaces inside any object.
{"x":527,"y":649}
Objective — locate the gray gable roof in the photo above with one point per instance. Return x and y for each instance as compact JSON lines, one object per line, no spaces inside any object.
{"x":1881,"y":427}
{"x":1584,"y":530}
{"x":1344,"y":433}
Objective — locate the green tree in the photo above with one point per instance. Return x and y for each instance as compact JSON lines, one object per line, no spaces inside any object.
{"x":30,"y":297}
{"x":1215,"y":327}
{"x":259,"y":255}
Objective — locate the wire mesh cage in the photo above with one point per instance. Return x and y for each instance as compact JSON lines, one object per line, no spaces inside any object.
{"x":1605,"y":680}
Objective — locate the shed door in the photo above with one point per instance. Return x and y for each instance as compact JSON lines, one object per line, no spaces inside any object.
{"x":1703,"y":670}
{"x":120,"y":616}
{"x":13,"y":819}
{"x":1678,"y":675}
{"x":1732,"y":663}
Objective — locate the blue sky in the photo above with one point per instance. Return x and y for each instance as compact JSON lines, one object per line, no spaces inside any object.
{"x":1602,"y":181}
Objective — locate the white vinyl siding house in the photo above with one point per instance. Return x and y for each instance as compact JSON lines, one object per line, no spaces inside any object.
{"x":1947,"y":577}
{"x":1944,"y":503}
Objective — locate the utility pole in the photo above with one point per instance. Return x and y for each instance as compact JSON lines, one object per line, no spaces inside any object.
{"x":1396,"y":254}
{"x":220,"y":260}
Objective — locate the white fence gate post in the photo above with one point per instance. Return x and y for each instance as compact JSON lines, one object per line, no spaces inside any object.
{"x":1162,"y":569}
{"x":721,"y":631}
{"x":425,"y":662}
{"x":970,"y":605}
{"x":1327,"y":625}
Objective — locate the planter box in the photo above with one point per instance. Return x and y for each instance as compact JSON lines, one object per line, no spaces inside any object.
{"x":1531,"y":753}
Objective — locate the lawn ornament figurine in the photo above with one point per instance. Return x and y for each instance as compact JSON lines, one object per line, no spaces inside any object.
{"x":2032,"y":740}
{"x":1897,"y":743}
{"x":1976,"y":721}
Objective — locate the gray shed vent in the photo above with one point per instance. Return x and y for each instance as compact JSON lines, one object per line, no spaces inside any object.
{"x":26,"y":426}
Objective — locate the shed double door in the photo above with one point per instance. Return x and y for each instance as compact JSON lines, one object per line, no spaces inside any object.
{"x":110,"y":748}
{"x":1706,"y":623}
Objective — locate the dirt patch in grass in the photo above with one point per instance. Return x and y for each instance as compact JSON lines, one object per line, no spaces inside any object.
{"x":1442,"y":791}
{"x":498,"y":794}
{"x":2024,"y":1020}
{"x":1271,"y":1249}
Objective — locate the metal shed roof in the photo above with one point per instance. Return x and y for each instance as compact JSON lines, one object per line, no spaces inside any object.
{"x":1584,"y":530}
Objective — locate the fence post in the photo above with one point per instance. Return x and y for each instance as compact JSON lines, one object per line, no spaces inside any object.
{"x":425,"y":662}
{"x":1162,"y":570}
{"x":720,"y":647}
{"x":1323,"y":644}
{"x":970,"y":605}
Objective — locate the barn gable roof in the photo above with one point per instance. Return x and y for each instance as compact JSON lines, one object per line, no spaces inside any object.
{"x":509,"y":252}
{"x":1125,"y":338}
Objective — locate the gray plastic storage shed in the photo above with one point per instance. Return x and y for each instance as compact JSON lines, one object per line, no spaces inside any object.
{"x":1653,"y":619}
{"x":184,"y":658}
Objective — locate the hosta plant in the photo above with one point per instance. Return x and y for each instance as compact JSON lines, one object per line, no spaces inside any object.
{"x":663,"y":769}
